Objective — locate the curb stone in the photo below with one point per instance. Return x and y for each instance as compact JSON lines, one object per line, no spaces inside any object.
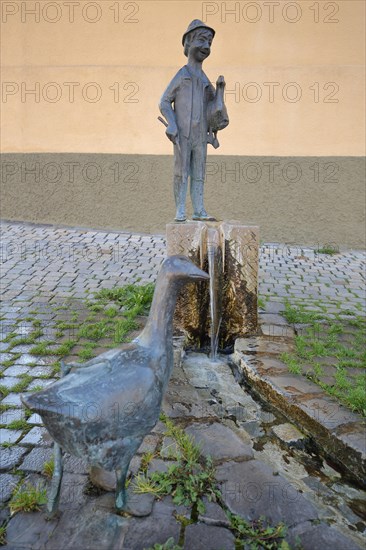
{"x":337,"y":430}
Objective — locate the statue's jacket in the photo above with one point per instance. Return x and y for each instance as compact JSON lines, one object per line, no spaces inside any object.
{"x":180,"y":93}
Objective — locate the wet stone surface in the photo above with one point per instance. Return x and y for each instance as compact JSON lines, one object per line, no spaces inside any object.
{"x":202,"y":537}
{"x":289,"y":434}
{"x":219,"y":442}
{"x":318,"y":537}
{"x":251,"y":489}
{"x":160,"y":526}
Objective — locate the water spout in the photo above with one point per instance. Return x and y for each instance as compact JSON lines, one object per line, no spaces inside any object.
{"x":215,"y":270}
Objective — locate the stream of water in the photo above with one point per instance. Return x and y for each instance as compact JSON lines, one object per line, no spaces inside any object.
{"x":214,"y":269}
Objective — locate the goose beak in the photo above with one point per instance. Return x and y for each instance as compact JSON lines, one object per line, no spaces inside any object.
{"x":199,"y":275}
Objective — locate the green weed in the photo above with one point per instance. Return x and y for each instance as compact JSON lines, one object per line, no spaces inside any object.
{"x":3,"y":535}
{"x":328,"y":249}
{"x":27,"y":498}
{"x":187,"y":480}
{"x":122,"y":328}
{"x":26,"y":379}
{"x":7,"y":444}
{"x":87,"y":352}
{"x":292,"y":362}
{"x":27,"y":340}
{"x":37,"y":388}
{"x":42,"y":348}
{"x":18,"y":425}
{"x":4,"y":391}
{"x":258,"y":534}
{"x":94,"y":331}
{"x":146,"y":459}
{"x":4,"y":407}
{"x":135,"y":299}
{"x":168,"y":545}
{"x":48,"y":468}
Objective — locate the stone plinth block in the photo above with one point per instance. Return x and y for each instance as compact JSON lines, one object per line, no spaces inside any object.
{"x":229,"y":252}
{"x":240,"y":293}
{"x":192,"y":310}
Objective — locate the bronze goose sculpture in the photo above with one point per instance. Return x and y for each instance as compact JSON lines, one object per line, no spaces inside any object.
{"x":103,"y":409}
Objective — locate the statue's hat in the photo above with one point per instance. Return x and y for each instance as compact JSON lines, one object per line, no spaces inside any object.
{"x":196,"y":24}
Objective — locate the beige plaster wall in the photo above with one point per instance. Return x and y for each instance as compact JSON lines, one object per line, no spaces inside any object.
{"x":141,"y":52}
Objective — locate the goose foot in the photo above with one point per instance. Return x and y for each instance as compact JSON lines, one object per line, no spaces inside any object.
{"x":121,"y":496}
{"x":55,"y":489}
{"x":54,"y":492}
{"x":121,"y":499}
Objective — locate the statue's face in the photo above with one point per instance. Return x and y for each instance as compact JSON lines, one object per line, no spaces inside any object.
{"x":200,"y":45}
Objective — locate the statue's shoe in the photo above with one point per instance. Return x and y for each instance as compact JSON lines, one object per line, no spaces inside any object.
{"x":180,"y":219}
{"x":203,"y":217}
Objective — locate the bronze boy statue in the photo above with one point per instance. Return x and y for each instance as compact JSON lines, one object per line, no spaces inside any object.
{"x":194,"y":111}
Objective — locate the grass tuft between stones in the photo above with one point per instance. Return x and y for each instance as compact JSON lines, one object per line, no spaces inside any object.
{"x":48,"y":468}
{"x":2,"y":535}
{"x":27,"y":498}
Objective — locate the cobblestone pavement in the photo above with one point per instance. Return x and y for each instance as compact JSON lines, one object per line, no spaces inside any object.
{"x":41,"y":261}
{"x":43,"y":267}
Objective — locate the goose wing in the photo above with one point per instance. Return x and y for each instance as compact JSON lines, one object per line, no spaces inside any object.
{"x":119,"y":394}
{"x":110,"y":355}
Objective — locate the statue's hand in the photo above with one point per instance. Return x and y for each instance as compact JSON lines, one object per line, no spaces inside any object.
{"x":220,"y":82}
{"x":172,"y":133}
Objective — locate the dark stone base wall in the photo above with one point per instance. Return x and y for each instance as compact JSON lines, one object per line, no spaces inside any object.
{"x":303,"y":200}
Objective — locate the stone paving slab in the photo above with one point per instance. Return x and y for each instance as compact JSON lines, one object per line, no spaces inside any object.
{"x":251,"y":490}
{"x":11,"y":457}
{"x":231,"y":446}
{"x":201,"y":537}
{"x":7,"y":484}
{"x":319,"y":537}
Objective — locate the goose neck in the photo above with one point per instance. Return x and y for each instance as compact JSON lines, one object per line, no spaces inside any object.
{"x":159,"y":328}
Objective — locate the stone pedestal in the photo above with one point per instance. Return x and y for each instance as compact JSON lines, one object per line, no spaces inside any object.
{"x":235,"y":251}
{"x":193,"y":305}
